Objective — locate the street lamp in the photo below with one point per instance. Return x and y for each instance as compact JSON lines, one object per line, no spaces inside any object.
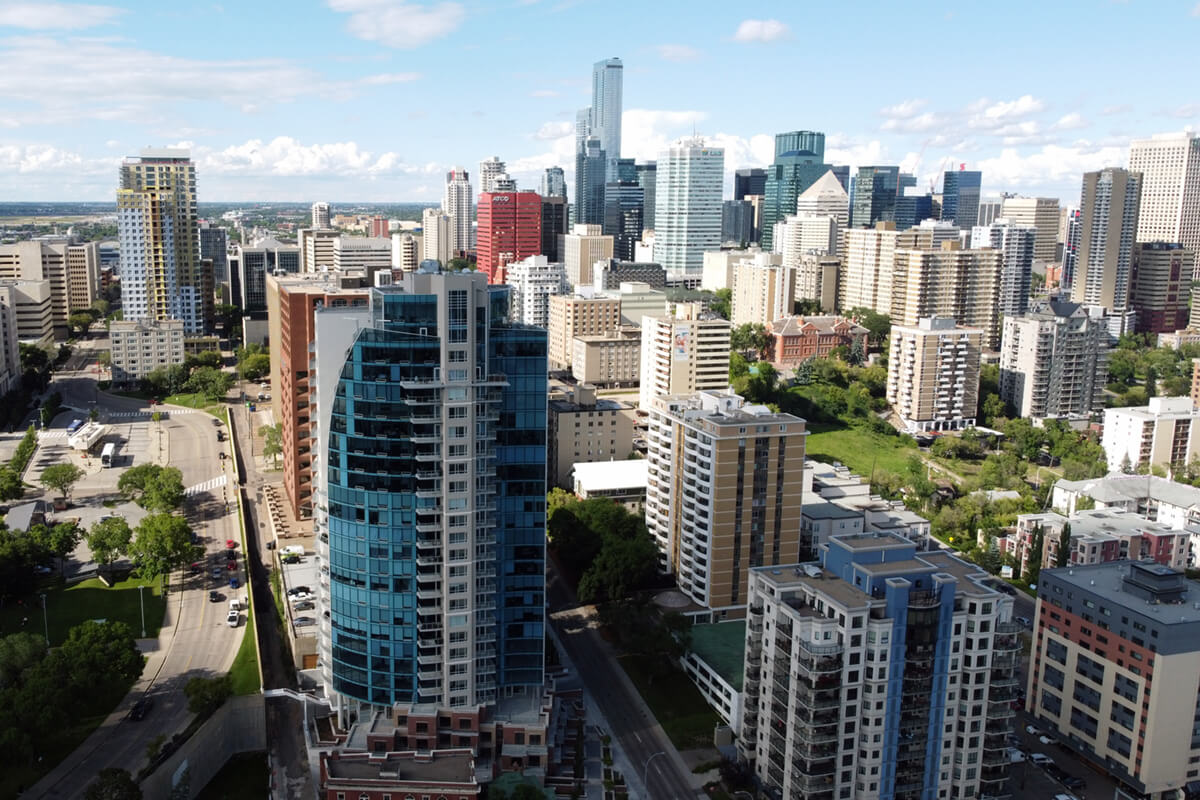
{"x":142,"y":598}
{"x":646,"y":769}
{"x":45,"y":619}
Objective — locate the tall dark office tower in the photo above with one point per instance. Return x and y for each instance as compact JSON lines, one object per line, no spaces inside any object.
{"x":799,"y":162}
{"x":750,"y":180}
{"x":623,"y":204}
{"x":737,"y":221}
{"x":214,"y":246}
{"x":430,"y":433}
{"x":647,"y":177}
{"x":842,"y":173}
{"x":554,"y":225}
{"x":589,"y":183}
{"x":906,"y":205}
{"x":875,"y":191}
{"x":960,"y":197}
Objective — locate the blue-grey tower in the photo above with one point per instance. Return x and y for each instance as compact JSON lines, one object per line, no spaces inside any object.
{"x":799,"y":162}
{"x":430,"y":451}
{"x":960,"y":197}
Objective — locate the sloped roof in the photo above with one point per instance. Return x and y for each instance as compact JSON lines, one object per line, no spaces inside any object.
{"x":826,"y":184}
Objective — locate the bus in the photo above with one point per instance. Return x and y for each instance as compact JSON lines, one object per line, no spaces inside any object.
{"x":74,"y":425}
{"x":106,"y":455}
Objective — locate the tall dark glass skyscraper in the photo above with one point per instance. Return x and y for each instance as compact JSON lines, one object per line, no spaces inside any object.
{"x":647,"y":177}
{"x":875,"y":191}
{"x":430,"y":450}
{"x":590,"y":165}
{"x":960,"y":197}
{"x":751,"y":180}
{"x":799,"y":162}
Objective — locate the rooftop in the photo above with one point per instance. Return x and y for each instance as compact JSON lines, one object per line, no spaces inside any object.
{"x":600,"y":476}
{"x":873,"y":541}
{"x":722,"y":646}
{"x":1120,"y":488}
{"x":1108,"y":582}
{"x":823,"y":509}
{"x":452,"y":767}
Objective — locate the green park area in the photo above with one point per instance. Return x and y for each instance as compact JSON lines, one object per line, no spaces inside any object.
{"x":677,"y":704}
{"x":68,"y":606}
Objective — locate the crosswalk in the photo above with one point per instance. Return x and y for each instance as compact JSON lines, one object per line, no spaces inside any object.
{"x":212,"y":483}
{"x":50,"y":436}
{"x":174,"y":412}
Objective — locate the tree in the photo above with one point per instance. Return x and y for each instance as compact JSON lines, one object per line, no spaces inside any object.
{"x":804,"y":307}
{"x":104,"y":358}
{"x":113,"y":784}
{"x":272,"y":441}
{"x":58,"y":540}
{"x":61,"y":477}
{"x":878,"y":325}
{"x":209,"y":381}
{"x":205,"y":695}
{"x":1063,"y":557}
{"x":622,"y":566}
{"x":1151,"y":382}
{"x":1033,"y":564}
{"x":162,"y":543}
{"x":750,"y":340}
{"x":19,"y":555}
{"x":457,"y":264}
{"x":720,"y":306}
{"x":80,"y":321}
{"x":100,"y":306}
{"x":155,"y":488}
{"x":100,"y":654}
{"x":856,"y":356}
{"x":256,"y":367}
{"x":993,"y":409}
{"x":11,"y":487}
{"x":108,"y":539}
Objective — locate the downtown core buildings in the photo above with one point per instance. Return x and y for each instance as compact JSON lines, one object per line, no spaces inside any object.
{"x":430,"y":435}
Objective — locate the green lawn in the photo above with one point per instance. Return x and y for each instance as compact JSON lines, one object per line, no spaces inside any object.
{"x":676,"y":702}
{"x":245,"y":663}
{"x":244,"y":777}
{"x":199,"y":401}
{"x":858,"y":448}
{"x":68,"y":607}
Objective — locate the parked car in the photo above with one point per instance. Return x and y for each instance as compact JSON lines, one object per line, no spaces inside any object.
{"x":1041,"y":759}
{"x":304,"y":621}
{"x":1024,"y":622}
{"x":220,"y":436}
{"x":1033,"y":730}
{"x":295,"y":590}
{"x":216,"y":573}
{"x":1071,"y":782}
{"x":306,"y":605}
{"x":230,"y":544}
{"x":141,"y":708}
{"x":300,"y":596}
{"x":1047,"y":740}
{"x":214,"y":596}
{"x":290,"y":558}
{"x":233,"y":583}
{"x":233,"y":618}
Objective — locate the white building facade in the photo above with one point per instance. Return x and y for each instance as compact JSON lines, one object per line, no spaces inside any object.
{"x":687,"y":213}
{"x":1165,"y":433}
{"x":1170,"y":167}
{"x":534,"y":280}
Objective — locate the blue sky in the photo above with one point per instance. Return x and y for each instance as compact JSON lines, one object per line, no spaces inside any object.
{"x":374,"y":100}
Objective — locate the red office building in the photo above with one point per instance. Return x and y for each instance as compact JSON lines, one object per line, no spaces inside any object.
{"x":380,"y":228}
{"x":510,"y":229}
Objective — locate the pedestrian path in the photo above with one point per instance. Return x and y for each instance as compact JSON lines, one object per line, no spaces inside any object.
{"x":50,"y":436}
{"x":173,"y":412}
{"x":212,"y":483}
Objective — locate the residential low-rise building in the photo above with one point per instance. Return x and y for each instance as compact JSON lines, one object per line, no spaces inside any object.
{"x":855,"y":672}
{"x":607,"y":360}
{"x":933,"y":374}
{"x":141,"y":347}
{"x":715,"y":663}
{"x":583,"y":428}
{"x":837,"y":484}
{"x":797,"y":339}
{"x":1112,"y":674}
{"x":1097,"y":535}
{"x":1164,"y":433}
{"x":621,"y":481}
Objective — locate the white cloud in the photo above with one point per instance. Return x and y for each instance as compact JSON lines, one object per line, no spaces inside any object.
{"x":677,"y":52}
{"x":57,"y":81}
{"x":918,"y":124}
{"x":1196,"y":10}
{"x":288,"y":157}
{"x":904,"y":109}
{"x":56,"y":16}
{"x":1052,"y":165}
{"x":555,"y":130}
{"x":646,"y":132}
{"x":400,"y":25}
{"x":987,"y":115}
{"x":841,"y":149}
{"x":1070,"y":122}
{"x":1186,"y":111}
{"x":761,"y":30}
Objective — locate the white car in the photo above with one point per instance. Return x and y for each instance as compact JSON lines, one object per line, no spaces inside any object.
{"x":1033,"y":730}
{"x":299,"y":596}
{"x":233,"y":618}
{"x":1047,"y":740}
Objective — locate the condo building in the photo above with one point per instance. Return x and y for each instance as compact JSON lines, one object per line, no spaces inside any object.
{"x":1170,"y":208}
{"x":1164,"y":433}
{"x":933,"y":374}
{"x":684,"y":353}
{"x":572,"y":316}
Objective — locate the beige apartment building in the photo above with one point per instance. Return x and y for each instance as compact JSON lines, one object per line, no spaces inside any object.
{"x":868,"y":260}
{"x":71,"y":268}
{"x":140,"y":347}
{"x":763,"y":290}
{"x":608,"y":359}
{"x":316,"y":248}
{"x":581,"y":249}
{"x":723,"y":493}
{"x":933,"y":374}
{"x":1170,"y":209}
{"x":1041,"y":213}
{"x":949,"y":282}
{"x":1113,"y":671}
{"x":572,"y":316}
{"x":32,"y":309}
{"x":292,"y":301}
{"x":1107,"y":231}
{"x":683,"y":354}
{"x":584,"y":429}
{"x":10,"y":352}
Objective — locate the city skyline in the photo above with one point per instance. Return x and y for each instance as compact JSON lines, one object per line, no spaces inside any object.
{"x":91,"y":84}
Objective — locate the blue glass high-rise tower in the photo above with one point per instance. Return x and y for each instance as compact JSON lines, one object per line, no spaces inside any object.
{"x":430,"y":450}
{"x":799,"y":163}
{"x":960,"y":197}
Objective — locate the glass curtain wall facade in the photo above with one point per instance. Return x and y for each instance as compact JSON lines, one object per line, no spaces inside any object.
{"x":433,"y":524}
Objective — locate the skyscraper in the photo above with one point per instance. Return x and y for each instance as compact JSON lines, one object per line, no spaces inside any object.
{"x":436,"y":236}
{"x":647,"y":177}
{"x":960,"y":197}
{"x":1108,"y":209}
{"x":688,"y":205}
{"x":1070,"y":253}
{"x":554,"y":184}
{"x":623,"y":203}
{"x":554,"y":225}
{"x":489,"y":169}
{"x":430,"y":505}
{"x":459,"y":204}
{"x":799,"y":162}
{"x":1170,"y":208}
{"x":1041,"y":213}
{"x":1160,"y":286}
{"x":213,"y":246}
{"x":749,"y":180}
{"x":737,"y":221}
{"x":1016,"y":243}
{"x":590,"y":165}
{"x":160,"y":240}
{"x":510,"y":229}
{"x":875,"y":191}
{"x":607,"y":78}
{"x":320,"y":215}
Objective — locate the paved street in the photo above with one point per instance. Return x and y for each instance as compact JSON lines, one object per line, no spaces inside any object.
{"x":195,"y":639}
{"x":630,"y":722}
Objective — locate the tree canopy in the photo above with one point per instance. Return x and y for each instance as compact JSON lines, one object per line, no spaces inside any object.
{"x":153,"y":487}
{"x":61,"y":478}
{"x":162,"y":542}
{"x":109,"y":539}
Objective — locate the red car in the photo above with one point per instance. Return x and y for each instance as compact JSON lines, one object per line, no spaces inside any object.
{"x":230,"y":544}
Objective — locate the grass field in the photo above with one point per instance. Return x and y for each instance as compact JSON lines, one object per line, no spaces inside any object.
{"x":858,"y":448}
{"x":676,"y":702}
{"x":245,"y":663}
{"x":244,"y":777}
{"x":67,"y":607}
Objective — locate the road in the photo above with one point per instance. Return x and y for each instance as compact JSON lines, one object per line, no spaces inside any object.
{"x":195,"y":639}
{"x":629,"y":721}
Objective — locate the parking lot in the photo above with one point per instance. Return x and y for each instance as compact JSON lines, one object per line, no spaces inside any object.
{"x":1029,"y":780}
